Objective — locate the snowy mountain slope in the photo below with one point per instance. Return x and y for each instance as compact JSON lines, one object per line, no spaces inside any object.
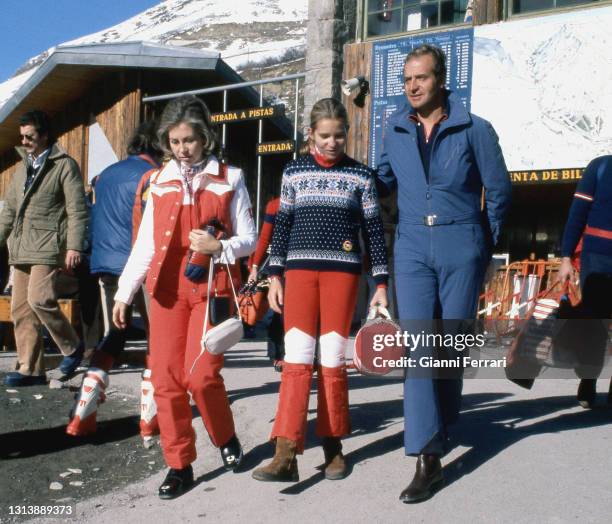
{"x":179,"y":16}
{"x":246,"y":32}
{"x":546,"y":93}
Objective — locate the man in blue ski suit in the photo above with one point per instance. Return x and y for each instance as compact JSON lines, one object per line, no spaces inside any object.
{"x":439,"y":158}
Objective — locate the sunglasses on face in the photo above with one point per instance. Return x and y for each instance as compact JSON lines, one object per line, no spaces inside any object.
{"x":29,"y":138}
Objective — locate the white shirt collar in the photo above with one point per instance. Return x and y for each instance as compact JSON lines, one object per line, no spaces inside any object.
{"x":212,"y":166}
{"x":172,"y":170}
{"x":39,"y":160}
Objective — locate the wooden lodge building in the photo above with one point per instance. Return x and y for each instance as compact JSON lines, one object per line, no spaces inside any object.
{"x":94,"y":97}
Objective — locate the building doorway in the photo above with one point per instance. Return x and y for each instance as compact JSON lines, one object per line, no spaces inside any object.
{"x":536,"y":220}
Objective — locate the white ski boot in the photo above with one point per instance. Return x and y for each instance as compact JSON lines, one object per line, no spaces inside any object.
{"x":90,"y":396}
{"x":149,"y":426}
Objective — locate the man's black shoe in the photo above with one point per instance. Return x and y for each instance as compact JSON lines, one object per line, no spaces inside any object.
{"x":17,"y":380}
{"x":587,"y":393}
{"x":69,"y":364}
{"x":177,"y":482}
{"x":231,"y":453}
{"x":427,"y":480}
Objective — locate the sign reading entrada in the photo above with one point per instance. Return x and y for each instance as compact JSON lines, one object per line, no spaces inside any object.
{"x":250,"y":113}
{"x":275,"y":148}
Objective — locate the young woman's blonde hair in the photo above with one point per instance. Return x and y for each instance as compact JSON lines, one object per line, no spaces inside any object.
{"x":188,"y":109}
{"x":325,"y":108}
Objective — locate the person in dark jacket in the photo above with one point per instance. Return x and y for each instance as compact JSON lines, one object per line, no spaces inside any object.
{"x":440,"y":158}
{"x":43,"y":222}
{"x":115,"y":191}
{"x":590,"y":218}
{"x":276,"y":345}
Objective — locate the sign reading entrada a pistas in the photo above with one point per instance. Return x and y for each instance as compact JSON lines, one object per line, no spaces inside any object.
{"x":250,"y":113}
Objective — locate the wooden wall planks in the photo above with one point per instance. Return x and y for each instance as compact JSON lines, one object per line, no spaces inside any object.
{"x":357,"y":61}
{"x":114,"y":102}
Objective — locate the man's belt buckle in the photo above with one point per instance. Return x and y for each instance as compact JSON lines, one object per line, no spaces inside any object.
{"x":430,"y":220}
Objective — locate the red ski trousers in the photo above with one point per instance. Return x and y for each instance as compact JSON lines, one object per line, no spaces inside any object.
{"x":323,"y":301}
{"x":176,"y":325}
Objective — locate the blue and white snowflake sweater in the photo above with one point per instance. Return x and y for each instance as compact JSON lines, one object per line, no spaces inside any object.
{"x":322,"y":210}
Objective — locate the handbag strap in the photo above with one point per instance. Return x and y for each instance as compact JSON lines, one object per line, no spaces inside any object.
{"x":229,"y":274}
{"x":378,"y":311}
{"x":555,"y":292}
{"x":211,"y":267}
{"x":206,"y":315}
{"x":211,"y":270}
{"x":264,"y":264}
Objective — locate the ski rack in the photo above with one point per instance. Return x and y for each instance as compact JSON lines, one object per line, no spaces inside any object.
{"x":512,"y":292}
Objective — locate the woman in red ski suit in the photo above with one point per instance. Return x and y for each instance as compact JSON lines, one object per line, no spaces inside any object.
{"x":190,"y":192}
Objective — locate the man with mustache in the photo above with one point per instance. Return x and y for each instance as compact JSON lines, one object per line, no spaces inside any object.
{"x":43,"y":221}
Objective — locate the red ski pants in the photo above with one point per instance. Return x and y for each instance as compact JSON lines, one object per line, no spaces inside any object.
{"x":176,"y":326}
{"x":323,"y":300}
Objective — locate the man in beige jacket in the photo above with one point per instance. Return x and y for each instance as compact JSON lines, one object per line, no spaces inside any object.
{"x":44,"y":222}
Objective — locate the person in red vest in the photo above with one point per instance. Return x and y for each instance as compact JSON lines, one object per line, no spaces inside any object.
{"x":265,"y":237}
{"x":173,"y":249}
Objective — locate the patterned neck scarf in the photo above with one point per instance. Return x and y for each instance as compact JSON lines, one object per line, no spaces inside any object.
{"x":189,"y":171}
{"x":32,"y":167}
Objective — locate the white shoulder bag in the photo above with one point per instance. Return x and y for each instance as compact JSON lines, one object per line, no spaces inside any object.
{"x":228,"y":333}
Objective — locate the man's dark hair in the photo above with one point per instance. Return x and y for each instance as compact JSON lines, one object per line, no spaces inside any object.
{"x":144,"y":141}
{"x":39,"y":120}
{"x":436,"y":53}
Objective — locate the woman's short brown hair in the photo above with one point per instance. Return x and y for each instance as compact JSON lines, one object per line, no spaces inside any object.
{"x":188,"y":109}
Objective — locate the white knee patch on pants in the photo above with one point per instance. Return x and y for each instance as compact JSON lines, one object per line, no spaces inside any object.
{"x":299,"y":347}
{"x":333,"y":349}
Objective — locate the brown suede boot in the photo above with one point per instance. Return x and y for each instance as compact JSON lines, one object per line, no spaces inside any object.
{"x":335,"y":464}
{"x":428,"y":478}
{"x":283,"y":467}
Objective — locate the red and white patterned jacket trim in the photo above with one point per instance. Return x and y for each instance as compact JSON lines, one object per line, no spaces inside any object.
{"x":170,"y":184}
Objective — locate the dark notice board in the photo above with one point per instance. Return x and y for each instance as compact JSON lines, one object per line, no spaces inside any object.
{"x":387,"y":77}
